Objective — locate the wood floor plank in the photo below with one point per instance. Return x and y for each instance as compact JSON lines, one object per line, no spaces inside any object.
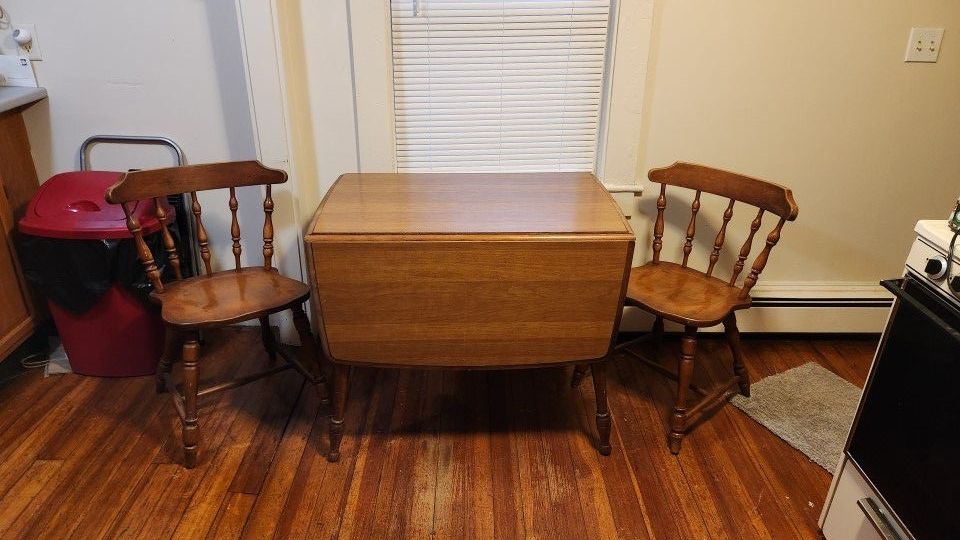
{"x":232,"y":420}
{"x":25,"y":491}
{"x":218,"y":414}
{"x":22,"y":451}
{"x":97,"y":416}
{"x":339,"y":496}
{"x":268,"y":425}
{"x":425,"y":455}
{"x":611,"y":508}
{"x":81,"y":455}
{"x":534,"y":482}
{"x":670,"y":508}
{"x":556,"y":421}
{"x":117,"y":485}
{"x":233,"y":516}
{"x":398,"y":481}
{"x":723,"y":517}
{"x":505,"y":471}
{"x":793,"y":487}
{"x":419,"y":522}
{"x":26,"y":401}
{"x":357,"y":521}
{"x":200,"y":515}
{"x":142,"y":515}
{"x":314,"y":500}
{"x":87,"y":476}
{"x":463,"y":502}
{"x":269,"y":504}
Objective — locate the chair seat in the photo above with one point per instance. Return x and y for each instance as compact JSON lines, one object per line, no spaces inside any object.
{"x":228,"y":297}
{"x":682,"y":295}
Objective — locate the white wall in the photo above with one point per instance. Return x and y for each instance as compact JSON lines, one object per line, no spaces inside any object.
{"x":172,"y":68}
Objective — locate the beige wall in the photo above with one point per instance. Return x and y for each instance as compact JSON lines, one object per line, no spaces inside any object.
{"x":815,"y":95}
{"x":811,"y":94}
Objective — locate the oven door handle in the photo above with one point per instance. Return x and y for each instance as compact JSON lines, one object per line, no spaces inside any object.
{"x":878,"y":518}
{"x":896,"y":287}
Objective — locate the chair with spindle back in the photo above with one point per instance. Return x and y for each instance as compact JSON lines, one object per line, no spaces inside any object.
{"x":214,"y":298}
{"x":696,"y":299}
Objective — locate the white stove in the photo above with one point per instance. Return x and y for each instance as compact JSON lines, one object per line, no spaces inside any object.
{"x":899,"y":478}
{"x":928,"y":257}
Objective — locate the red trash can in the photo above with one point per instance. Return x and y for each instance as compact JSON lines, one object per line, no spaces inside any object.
{"x":120,"y":335}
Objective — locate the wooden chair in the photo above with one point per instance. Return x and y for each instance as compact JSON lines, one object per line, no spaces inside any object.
{"x":215,"y":298}
{"x":697,"y":299}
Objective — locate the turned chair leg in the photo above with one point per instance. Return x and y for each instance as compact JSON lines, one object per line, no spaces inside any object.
{"x":171,"y":349}
{"x":190,"y":435}
{"x":678,"y":422}
{"x":269,"y":341}
{"x":579,"y":372}
{"x":657,"y":330}
{"x":733,"y":340}
{"x":308,"y":351}
{"x":599,"y":372}
{"x":340,"y":383}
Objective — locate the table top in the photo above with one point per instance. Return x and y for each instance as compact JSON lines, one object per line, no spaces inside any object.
{"x":468,"y":203}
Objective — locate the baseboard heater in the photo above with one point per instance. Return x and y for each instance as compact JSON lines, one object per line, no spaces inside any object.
{"x":823,"y":302}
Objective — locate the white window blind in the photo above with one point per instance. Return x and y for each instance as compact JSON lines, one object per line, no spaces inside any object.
{"x":498,"y":85}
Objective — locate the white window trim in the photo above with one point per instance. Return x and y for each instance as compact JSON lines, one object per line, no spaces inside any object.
{"x":618,"y":151}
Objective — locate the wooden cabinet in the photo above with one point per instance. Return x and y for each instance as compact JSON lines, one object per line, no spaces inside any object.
{"x":18,"y":178}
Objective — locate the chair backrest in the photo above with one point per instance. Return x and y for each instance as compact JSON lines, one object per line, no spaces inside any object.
{"x":158,"y":183}
{"x":765,"y":196}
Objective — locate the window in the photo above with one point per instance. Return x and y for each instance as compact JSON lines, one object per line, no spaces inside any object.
{"x":498,"y":85}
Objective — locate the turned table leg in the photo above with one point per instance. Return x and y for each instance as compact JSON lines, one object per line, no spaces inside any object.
{"x":340,"y":380}
{"x":579,"y":372}
{"x":598,"y":372}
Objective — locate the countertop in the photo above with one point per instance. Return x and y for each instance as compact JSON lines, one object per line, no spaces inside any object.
{"x":12,"y":97}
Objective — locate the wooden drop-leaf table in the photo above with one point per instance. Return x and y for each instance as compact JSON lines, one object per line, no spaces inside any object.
{"x":468,"y":271}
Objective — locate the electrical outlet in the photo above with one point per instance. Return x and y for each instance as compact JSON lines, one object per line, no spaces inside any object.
{"x":924,"y":45}
{"x":25,"y":35}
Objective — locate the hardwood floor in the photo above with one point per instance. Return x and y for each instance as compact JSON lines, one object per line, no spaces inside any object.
{"x":441,"y":454}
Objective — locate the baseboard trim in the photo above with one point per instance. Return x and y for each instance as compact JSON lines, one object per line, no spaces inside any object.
{"x":810,"y":307}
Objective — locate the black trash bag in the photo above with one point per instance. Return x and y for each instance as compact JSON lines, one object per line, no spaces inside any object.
{"x":75,"y":274}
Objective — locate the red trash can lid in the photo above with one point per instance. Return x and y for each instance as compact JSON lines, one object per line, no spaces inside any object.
{"x":71,"y":205}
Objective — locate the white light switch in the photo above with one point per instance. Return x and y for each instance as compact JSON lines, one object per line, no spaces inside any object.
{"x":924,"y":44}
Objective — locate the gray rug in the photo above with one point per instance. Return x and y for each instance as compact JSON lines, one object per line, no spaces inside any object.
{"x":809,"y":407}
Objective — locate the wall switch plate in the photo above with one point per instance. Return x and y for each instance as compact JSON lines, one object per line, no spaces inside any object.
{"x":30,"y":50}
{"x":924,"y":45}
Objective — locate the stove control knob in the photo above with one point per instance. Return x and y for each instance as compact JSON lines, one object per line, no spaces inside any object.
{"x":955,"y":284}
{"x":936,"y":267}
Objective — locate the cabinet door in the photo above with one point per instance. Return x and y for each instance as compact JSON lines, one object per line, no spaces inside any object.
{"x":16,"y":320}
{"x":18,"y":179}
